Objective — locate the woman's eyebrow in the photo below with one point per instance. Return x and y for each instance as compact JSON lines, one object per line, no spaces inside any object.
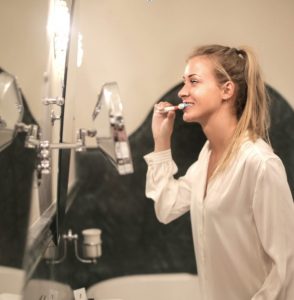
{"x":191,"y":75}
{"x":194,"y":74}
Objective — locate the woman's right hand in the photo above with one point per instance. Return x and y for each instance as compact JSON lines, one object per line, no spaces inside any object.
{"x":162,"y":127}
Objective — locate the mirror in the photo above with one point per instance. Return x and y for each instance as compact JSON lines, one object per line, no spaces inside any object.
{"x":40,"y":184}
{"x":30,"y":196}
{"x":112,"y":140}
{"x":11,"y":108}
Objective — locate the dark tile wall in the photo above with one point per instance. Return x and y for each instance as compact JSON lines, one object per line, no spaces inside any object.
{"x":134,"y":242}
{"x":16,"y":172}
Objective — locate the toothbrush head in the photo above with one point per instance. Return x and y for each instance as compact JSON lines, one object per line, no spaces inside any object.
{"x":183,"y":105}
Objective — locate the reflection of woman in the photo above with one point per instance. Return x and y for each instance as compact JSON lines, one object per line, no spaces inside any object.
{"x":237,"y":192}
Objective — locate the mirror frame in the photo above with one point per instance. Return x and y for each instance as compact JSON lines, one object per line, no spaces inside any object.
{"x":64,"y":154}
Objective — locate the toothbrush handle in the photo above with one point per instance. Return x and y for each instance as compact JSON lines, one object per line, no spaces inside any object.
{"x":168,"y":108}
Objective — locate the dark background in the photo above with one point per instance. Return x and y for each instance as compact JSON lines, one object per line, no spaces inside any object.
{"x":134,"y":242}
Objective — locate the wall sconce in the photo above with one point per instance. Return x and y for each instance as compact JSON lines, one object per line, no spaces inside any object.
{"x":113,"y":142}
{"x":91,"y":247}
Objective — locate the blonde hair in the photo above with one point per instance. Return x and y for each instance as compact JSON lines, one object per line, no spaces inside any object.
{"x":252,"y":102}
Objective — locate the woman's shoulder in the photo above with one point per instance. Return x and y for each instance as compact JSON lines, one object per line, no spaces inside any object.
{"x":259,"y":154}
{"x":258,"y":149}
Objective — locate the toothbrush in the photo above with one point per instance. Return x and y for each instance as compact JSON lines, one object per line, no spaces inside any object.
{"x":181,"y":106}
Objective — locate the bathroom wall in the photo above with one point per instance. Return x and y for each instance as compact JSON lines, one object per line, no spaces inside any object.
{"x":143,"y":45}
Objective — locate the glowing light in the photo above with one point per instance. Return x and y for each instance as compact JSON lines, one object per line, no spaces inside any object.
{"x":80,"y":51}
{"x":58,"y":29}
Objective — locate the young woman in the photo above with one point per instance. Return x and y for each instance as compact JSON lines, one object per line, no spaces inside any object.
{"x":241,"y":207}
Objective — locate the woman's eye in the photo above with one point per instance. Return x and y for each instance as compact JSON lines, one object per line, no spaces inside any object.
{"x":193,"y":81}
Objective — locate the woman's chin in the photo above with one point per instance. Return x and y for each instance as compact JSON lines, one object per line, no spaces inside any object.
{"x":188,"y":118}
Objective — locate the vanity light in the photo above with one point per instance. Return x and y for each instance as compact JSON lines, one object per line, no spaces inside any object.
{"x":80,"y":53}
{"x":58,"y":29}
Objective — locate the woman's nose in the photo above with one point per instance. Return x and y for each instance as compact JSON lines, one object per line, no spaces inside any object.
{"x":183,"y":92}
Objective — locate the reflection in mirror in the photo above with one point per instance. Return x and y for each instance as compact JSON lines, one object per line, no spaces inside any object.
{"x":112,"y":139}
{"x":52,"y":165}
{"x":17,"y":166}
{"x":11,"y":108}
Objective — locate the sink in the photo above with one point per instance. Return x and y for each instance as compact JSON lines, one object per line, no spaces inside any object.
{"x":11,"y":281}
{"x":38,"y":288}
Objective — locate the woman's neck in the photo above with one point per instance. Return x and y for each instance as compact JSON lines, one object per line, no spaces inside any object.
{"x":219,"y":133}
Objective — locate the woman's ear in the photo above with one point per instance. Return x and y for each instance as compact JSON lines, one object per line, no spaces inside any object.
{"x":228,"y":90}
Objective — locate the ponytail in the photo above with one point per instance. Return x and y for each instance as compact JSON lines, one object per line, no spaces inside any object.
{"x":255,"y":117}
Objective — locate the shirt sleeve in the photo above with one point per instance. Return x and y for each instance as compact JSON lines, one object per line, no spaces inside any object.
{"x":171,"y":196}
{"x":273,"y":212}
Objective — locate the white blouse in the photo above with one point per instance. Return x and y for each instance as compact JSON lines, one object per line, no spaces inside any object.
{"x":243,"y":229}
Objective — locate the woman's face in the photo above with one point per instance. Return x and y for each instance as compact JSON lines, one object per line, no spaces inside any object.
{"x":201,"y":90}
